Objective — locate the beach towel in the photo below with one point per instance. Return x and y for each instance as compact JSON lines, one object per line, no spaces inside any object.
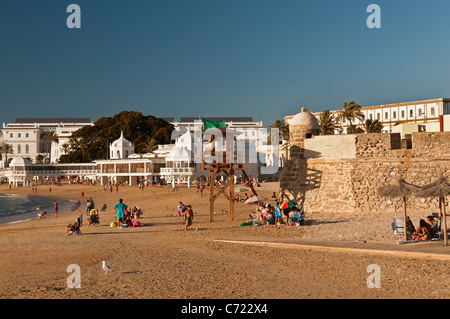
{"x":136,"y":224}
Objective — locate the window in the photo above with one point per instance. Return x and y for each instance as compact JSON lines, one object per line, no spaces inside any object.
{"x":403,"y":114}
{"x":432,"y":111}
{"x":411,"y":113}
{"x":27,"y":148}
{"x":420,"y":112}
{"x":10,"y":134}
{"x":18,"y":149}
{"x":371,"y":117}
{"x":394,"y":114}
{"x":386,"y":115}
{"x":19,"y":135}
{"x":27,"y":135}
{"x":378,"y":116}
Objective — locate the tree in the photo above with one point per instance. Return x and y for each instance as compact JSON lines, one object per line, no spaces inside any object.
{"x":373,"y":126}
{"x":150,"y":145}
{"x":7,"y":149}
{"x":351,"y":112}
{"x":50,"y":137}
{"x":91,"y":142}
{"x":65,"y":147}
{"x":283,"y":130}
{"x":327,"y":123}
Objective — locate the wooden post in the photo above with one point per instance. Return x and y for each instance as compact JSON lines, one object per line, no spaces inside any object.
{"x":404,"y":216}
{"x":445,"y":222}
{"x":211,"y":195}
{"x":231,"y":176}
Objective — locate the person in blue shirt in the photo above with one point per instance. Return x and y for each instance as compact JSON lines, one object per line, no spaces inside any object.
{"x":277,"y":213}
{"x":120,"y":209}
{"x":434,"y":224}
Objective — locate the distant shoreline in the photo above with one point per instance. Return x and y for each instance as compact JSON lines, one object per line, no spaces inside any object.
{"x":44,"y":203}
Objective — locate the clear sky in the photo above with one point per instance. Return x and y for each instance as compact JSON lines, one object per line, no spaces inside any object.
{"x":259,"y":58}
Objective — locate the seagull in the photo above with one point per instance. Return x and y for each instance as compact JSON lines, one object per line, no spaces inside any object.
{"x":105,"y":267}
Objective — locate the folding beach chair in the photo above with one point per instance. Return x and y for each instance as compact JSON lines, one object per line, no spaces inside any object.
{"x":76,"y":228}
{"x":298,"y":217}
{"x":398,"y":226}
{"x":255,"y":223}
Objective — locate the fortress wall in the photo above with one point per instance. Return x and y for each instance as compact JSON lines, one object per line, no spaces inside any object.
{"x":325,"y":184}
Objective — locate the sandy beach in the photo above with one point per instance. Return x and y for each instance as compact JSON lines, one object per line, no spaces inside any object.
{"x":161,"y":260}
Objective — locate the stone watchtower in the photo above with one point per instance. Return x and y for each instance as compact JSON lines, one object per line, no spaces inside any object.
{"x":303,"y":125}
{"x":294,"y":178}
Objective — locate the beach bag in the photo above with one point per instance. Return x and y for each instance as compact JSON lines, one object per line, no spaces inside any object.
{"x":136,"y":224}
{"x":125,"y":225}
{"x":113,"y":224}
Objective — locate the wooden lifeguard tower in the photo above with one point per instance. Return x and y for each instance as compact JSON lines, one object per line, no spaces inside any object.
{"x":228,"y":161}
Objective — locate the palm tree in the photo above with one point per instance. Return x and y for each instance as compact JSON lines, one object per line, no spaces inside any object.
{"x":350,"y":112}
{"x":80,"y":144}
{"x":150,"y":145}
{"x":373,"y":126}
{"x":327,"y":123}
{"x":50,"y":137}
{"x":40,"y":158}
{"x":283,"y":129}
{"x":65,"y":147}
{"x":7,"y":149}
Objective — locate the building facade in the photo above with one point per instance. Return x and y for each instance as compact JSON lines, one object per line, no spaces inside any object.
{"x":428,"y":113}
{"x":26,"y":137}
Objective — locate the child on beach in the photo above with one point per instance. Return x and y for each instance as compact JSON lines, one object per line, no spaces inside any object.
{"x":188,"y":216}
{"x":56,"y":208}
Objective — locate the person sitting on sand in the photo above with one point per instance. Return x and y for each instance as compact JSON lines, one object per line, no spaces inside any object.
{"x":188,"y":216}
{"x":434,"y":224}
{"x":423,"y":232}
{"x":41,"y":215}
{"x":245,"y":197}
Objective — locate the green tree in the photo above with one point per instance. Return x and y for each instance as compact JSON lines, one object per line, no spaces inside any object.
{"x":50,"y":137}
{"x":283,"y":130}
{"x":373,"y":126}
{"x":327,"y":123}
{"x":91,"y":142}
{"x":7,"y":149}
{"x":350,"y":112}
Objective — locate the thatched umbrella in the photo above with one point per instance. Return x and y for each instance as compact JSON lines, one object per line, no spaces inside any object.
{"x":439,"y":188}
{"x":400,"y":189}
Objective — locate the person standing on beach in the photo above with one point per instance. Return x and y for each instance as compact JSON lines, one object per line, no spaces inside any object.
{"x":188,"y":216}
{"x":120,"y":208}
{"x":56,"y":208}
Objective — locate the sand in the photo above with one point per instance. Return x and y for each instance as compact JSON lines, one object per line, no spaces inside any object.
{"x":162,"y":261}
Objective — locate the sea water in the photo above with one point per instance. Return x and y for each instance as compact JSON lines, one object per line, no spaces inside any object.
{"x":14,"y":208}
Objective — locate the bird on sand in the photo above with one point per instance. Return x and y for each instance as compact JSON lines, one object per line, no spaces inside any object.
{"x":106,"y":267}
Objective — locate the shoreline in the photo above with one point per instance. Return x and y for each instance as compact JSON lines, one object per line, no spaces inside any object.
{"x":64,"y":205}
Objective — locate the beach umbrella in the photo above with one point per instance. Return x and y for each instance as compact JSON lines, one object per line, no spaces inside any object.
{"x":400,"y":189}
{"x":75,"y":206}
{"x":439,"y":188}
{"x":288,"y":205}
{"x":254,"y":199}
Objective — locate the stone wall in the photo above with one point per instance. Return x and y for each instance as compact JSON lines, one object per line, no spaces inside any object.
{"x":348,"y":185}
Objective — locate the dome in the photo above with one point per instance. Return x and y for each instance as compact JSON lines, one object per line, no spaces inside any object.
{"x":122,"y":141}
{"x":306,"y":119}
{"x":20,"y":161}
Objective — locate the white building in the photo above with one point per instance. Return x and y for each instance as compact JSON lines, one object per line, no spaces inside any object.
{"x":26,"y":136}
{"x":425,"y":112}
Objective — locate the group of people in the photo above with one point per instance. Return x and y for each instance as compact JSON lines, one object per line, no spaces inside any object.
{"x":273,"y":215}
{"x":186,"y":212}
{"x":126,"y":215}
{"x":427,"y":229}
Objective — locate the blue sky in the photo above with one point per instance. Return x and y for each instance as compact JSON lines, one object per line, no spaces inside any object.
{"x":259,"y":58}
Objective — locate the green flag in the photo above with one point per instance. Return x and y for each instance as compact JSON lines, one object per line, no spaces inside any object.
{"x":211,"y":125}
